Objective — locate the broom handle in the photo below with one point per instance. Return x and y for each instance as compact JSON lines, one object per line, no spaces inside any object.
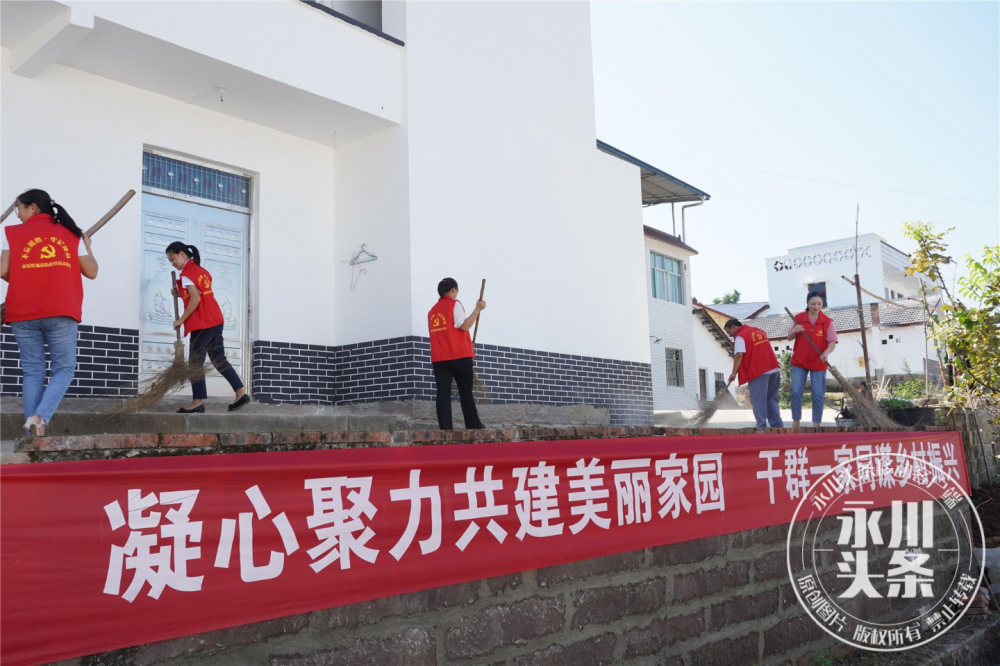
{"x":10,"y":209}
{"x":475,"y":331}
{"x":177,"y":312}
{"x":111,"y":213}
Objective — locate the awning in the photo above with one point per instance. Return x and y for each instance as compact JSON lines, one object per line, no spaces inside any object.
{"x":657,"y":186}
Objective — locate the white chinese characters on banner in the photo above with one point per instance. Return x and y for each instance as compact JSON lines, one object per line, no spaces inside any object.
{"x":249,"y":571}
{"x":472,"y":489}
{"x":337,"y":527}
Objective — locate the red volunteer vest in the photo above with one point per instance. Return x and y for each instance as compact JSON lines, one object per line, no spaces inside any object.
{"x":45,"y":279}
{"x":447,"y":342}
{"x":208,"y":313}
{"x":803,"y":355}
{"x":759,"y":357}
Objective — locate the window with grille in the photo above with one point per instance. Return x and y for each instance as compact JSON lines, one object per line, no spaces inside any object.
{"x":667,"y":278}
{"x":194,"y":180}
{"x":675,"y":367}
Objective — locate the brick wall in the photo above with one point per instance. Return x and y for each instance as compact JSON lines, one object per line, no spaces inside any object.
{"x":400,"y":369}
{"x":107,"y":362}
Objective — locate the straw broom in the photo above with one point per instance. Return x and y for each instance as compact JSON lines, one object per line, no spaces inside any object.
{"x":180,"y":372}
{"x":90,"y":232}
{"x":708,"y":411}
{"x":867,"y":412}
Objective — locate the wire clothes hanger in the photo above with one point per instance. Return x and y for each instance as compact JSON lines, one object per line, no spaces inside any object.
{"x":362,"y":257}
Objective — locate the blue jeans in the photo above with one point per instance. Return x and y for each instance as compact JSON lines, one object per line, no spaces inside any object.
{"x":764,"y":400}
{"x":59,"y":333}
{"x":818,"y":382}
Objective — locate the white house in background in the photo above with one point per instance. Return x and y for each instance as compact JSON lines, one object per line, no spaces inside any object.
{"x":334,"y":161}
{"x":894,"y":323}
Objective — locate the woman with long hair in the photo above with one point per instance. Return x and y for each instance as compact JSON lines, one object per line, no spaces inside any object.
{"x":202,"y":319}
{"x":806,"y":362}
{"x":43,"y":259}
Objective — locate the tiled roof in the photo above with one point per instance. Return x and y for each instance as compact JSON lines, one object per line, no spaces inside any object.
{"x":845,"y":318}
{"x":736,"y":310}
{"x":667,"y":238}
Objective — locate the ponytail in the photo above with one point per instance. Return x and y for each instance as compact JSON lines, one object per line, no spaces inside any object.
{"x":47,"y":206}
{"x":191,"y":251}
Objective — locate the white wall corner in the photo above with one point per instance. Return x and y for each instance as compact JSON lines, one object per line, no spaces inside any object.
{"x":52,"y":41}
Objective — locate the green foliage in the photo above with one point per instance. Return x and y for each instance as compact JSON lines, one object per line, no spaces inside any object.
{"x":821,"y":659}
{"x":785,"y":392}
{"x":895,"y":403}
{"x":911,"y":389}
{"x":728,"y":299}
{"x":968,"y":331}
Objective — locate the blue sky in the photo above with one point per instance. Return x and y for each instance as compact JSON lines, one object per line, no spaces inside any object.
{"x":894,"y":95}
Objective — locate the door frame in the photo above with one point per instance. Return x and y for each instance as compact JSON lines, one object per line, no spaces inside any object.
{"x":251,"y":212}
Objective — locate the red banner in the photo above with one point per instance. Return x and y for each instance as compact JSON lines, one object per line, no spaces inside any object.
{"x":100,"y":555}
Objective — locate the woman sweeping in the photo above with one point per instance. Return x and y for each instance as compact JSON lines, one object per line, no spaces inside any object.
{"x":45,"y":299}
{"x":805,"y":361}
{"x":202,"y":318}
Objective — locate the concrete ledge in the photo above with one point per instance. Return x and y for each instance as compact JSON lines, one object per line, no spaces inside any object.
{"x":125,"y":445}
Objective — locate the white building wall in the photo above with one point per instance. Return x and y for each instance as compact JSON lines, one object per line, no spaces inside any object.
{"x":711,"y":356}
{"x":906,"y":344}
{"x":80,"y":137}
{"x":825,"y":262}
{"x":506,"y":182}
{"x":672,"y":324}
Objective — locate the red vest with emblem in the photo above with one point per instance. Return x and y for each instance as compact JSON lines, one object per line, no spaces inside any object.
{"x":45,"y":279}
{"x":208,"y":313}
{"x":759,"y":357}
{"x":804,"y":356}
{"x":447,"y":342}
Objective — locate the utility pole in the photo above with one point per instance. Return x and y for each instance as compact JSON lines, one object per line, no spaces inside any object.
{"x":861,"y":309}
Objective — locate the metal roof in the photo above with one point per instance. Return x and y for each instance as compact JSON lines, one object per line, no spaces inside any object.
{"x":845,"y":318}
{"x":657,"y":186}
{"x":736,"y":310}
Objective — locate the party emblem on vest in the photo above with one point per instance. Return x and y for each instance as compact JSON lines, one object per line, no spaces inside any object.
{"x":886,"y":557}
{"x":47,"y":252}
{"x":438,"y":322}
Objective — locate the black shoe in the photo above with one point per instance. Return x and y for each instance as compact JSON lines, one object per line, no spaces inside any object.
{"x":245,"y":400}
{"x":200,"y":409}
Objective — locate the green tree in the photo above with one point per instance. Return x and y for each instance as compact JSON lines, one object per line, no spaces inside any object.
{"x":728,"y":299}
{"x":968,"y":331}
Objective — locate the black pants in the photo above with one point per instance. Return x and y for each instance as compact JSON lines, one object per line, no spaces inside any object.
{"x":461,"y":370}
{"x":208,"y":342}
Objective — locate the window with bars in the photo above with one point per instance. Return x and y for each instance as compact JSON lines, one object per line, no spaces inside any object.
{"x":675,"y":367}
{"x":667,"y":278}
{"x":194,"y":180}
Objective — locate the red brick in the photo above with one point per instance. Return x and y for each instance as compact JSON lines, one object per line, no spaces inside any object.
{"x":741,"y":650}
{"x":498,"y":584}
{"x":361,"y":437}
{"x":148,"y":441}
{"x":771,"y":566}
{"x":245,"y":438}
{"x":370,"y":612}
{"x":418,"y":436}
{"x":295,"y":438}
{"x":687,"y":552}
{"x":213,"y":642}
{"x":595,"y":651}
{"x":739,"y":609}
{"x":661,"y":632}
{"x":704,"y":582}
{"x":586,"y":568}
{"x":615,"y":432}
{"x":59,"y":443}
{"x":188,"y":440}
{"x":790,"y":633}
{"x":507,"y":624}
{"x":602,"y":605}
{"x":410,"y":647}
{"x":589,"y":432}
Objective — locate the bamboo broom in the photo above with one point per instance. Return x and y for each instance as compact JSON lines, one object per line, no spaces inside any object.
{"x":179,"y":372}
{"x":90,"y":232}
{"x":708,"y":411}
{"x":867,"y":412}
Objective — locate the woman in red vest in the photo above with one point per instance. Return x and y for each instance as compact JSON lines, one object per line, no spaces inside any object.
{"x":202,"y":318}
{"x":812,"y":323}
{"x":452,"y":354}
{"x":44,"y":299}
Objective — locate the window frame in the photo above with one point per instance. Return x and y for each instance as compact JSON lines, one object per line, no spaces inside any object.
{"x":666,"y":281}
{"x":674,"y":367}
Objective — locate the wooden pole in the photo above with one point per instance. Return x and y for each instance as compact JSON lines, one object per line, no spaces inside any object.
{"x":861,"y":309}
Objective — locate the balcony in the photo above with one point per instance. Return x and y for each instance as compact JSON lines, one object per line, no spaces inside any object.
{"x":287,"y":65}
